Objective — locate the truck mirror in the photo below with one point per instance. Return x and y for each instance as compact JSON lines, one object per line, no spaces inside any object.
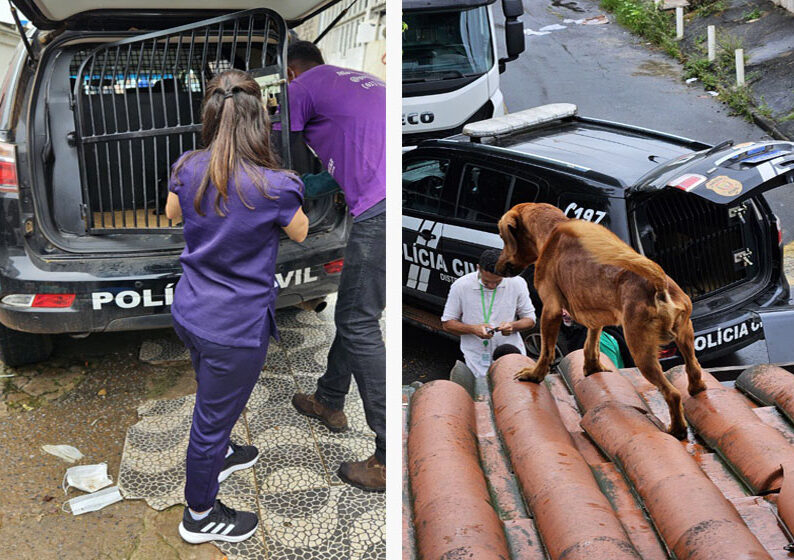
{"x":514,"y":42}
{"x":512,"y":8}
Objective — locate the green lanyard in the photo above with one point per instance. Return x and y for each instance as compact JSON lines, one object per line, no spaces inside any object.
{"x":486,"y":316}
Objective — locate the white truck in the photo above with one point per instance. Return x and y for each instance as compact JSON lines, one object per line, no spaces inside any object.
{"x":450,"y":65}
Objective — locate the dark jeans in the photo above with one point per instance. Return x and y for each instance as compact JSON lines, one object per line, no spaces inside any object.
{"x":358,"y":348}
{"x":225,"y":376}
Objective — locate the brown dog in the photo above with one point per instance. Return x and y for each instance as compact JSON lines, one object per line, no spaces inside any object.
{"x":586,"y":269}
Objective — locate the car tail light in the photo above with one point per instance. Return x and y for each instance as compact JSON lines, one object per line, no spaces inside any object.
{"x":53,"y":300}
{"x":8,"y":168}
{"x":334,"y":267}
{"x":667,"y":352}
{"x":39,"y":300}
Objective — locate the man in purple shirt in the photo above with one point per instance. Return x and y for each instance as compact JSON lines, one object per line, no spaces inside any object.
{"x":342,"y":114}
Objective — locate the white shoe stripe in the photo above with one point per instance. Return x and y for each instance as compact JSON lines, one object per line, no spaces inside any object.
{"x":218,"y":528}
{"x":208,"y":526}
{"x":228,"y":529}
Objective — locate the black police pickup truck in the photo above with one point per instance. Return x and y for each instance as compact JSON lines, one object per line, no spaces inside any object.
{"x":695,"y":209}
{"x":97,"y":104}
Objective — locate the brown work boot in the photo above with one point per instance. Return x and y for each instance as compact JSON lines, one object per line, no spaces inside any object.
{"x":308,"y":405}
{"x":369,"y":475}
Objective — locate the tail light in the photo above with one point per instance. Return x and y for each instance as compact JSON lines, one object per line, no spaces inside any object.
{"x":8,"y":168}
{"x":39,"y":300}
{"x":334,"y":267}
{"x":53,"y":300}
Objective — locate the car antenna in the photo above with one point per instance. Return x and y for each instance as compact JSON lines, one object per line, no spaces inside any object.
{"x":22,"y":32}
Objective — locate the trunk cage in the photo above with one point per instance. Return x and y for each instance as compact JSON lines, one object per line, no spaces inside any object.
{"x":138,"y":108}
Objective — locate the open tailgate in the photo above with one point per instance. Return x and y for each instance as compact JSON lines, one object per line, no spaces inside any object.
{"x":91,"y":14}
{"x":728,"y":175}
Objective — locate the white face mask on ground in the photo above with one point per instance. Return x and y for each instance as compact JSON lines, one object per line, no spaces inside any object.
{"x":88,"y":478}
{"x":93,"y":502}
{"x":65,"y":452}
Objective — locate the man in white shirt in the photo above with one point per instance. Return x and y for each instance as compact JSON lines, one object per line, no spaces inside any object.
{"x":487,"y":310}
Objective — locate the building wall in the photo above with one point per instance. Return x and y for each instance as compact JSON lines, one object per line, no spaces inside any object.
{"x":9,"y":39}
{"x":357,"y":41}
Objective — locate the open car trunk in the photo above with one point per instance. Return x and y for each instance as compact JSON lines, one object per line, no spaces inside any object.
{"x":138,"y":107}
{"x":154,"y":14}
{"x":703,"y":218}
{"x":115,"y":115}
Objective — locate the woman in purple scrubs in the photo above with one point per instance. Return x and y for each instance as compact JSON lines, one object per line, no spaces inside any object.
{"x":234,"y":202}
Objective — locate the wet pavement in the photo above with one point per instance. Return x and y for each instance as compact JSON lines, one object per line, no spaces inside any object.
{"x":89,"y":394}
{"x":611,"y":74}
{"x":85,"y":395}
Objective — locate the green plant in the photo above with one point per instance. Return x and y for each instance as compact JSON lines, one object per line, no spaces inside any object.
{"x":644,"y":19}
{"x":703,"y":70}
{"x":755,"y":13}
{"x":711,"y":8}
{"x":727,"y":44}
{"x":763,"y":108}
{"x":738,"y":99}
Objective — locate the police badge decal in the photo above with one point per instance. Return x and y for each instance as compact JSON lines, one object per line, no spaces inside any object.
{"x":724,"y":186}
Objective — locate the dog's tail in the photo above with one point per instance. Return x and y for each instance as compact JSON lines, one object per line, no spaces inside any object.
{"x":607,"y":248}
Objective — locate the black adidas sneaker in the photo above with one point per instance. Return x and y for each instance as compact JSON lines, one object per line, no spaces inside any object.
{"x":221,"y":524}
{"x":242,"y":457}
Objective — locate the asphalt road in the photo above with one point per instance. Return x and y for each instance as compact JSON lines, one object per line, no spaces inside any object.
{"x":609,"y":74}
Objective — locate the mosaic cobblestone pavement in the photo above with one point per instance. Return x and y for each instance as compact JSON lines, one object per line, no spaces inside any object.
{"x":305,"y":511}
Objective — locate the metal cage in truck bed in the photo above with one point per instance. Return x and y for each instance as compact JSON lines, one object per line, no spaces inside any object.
{"x":137,"y":107}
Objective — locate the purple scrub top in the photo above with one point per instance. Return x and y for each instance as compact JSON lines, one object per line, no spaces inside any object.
{"x":343,"y":115}
{"x":227,"y":290}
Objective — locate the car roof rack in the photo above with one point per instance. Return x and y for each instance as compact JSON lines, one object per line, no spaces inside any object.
{"x":519,"y":121}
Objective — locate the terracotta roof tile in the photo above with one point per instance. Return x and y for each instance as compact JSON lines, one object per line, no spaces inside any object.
{"x":453,"y":516}
{"x":612,"y":484}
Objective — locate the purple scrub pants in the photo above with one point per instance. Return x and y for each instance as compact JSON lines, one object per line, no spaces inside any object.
{"x":226,"y":376}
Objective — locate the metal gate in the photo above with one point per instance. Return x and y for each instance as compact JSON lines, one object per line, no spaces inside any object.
{"x":138,"y":108}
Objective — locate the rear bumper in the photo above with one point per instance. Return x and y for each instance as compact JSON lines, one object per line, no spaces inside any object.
{"x":719,"y":334}
{"x":134,"y":293}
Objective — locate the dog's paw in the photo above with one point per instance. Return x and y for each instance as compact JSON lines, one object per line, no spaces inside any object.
{"x":678,"y":432}
{"x":694,"y":389}
{"x":590,"y":369}
{"x":528,"y":374}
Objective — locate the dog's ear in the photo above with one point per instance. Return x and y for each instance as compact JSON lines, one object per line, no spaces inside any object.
{"x":508,"y":230}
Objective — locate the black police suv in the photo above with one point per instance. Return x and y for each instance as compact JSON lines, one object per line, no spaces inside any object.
{"x":99,"y":101}
{"x":695,"y":209}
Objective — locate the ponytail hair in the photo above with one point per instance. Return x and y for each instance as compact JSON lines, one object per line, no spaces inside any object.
{"x":236,"y":133}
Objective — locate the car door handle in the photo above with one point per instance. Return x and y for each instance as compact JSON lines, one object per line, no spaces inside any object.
{"x":427,"y":234}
